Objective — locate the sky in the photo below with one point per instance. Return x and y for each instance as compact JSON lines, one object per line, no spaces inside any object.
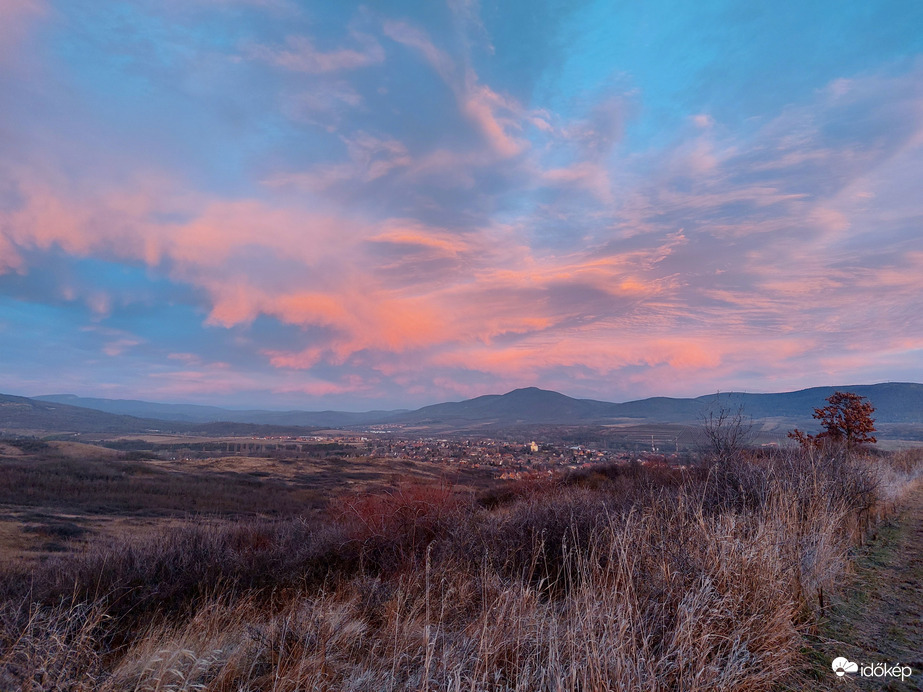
{"x":343,"y":205}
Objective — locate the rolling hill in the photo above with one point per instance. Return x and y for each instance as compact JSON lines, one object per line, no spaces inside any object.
{"x":195,"y":413}
{"x":895,"y":403}
{"x":24,"y":415}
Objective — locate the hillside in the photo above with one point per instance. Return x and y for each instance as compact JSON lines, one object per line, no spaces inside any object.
{"x":21,"y":413}
{"x":895,"y":403}
{"x":196,"y":413}
{"x":24,"y":415}
{"x":528,"y":405}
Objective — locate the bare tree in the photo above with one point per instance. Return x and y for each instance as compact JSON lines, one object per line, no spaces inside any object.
{"x":726,"y":430}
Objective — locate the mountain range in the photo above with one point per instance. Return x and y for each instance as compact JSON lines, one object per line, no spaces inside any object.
{"x":895,"y":403}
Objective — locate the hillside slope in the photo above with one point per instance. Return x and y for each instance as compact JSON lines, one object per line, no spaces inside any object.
{"x":895,"y":403}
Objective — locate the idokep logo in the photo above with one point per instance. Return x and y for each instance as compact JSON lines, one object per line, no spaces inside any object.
{"x":841,"y":666}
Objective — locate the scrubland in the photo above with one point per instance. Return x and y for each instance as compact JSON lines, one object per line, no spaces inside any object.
{"x":631,"y":577}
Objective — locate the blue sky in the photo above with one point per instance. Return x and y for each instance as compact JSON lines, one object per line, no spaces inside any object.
{"x":264,"y":202}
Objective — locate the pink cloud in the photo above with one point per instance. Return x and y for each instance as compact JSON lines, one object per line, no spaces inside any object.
{"x":507,"y":294}
{"x":415,"y":38}
{"x":189,"y":358}
{"x":729,"y":257}
{"x":322,"y":389}
{"x":301,"y":360}
{"x":411,"y":234}
{"x":326,"y":103}
{"x":115,"y":341}
{"x":449,"y":169}
{"x":493,"y":114}
{"x":542,"y":124}
{"x":601,"y":351}
{"x":486,"y":109}
{"x":117,"y":348}
{"x":16,"y":19}
{"x":370,"y":158}
{"x":703,"y":120}
{"x":300,"y":55}
{"x":591,"y":176}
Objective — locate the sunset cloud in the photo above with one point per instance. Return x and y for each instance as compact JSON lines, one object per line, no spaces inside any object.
{"x":356,"y":209}
{"x":300,"y":55}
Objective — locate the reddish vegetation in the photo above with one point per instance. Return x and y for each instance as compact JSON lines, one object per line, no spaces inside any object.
{"x":846,"y":420}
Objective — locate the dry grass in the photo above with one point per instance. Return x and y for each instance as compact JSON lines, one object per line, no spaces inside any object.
{"x":877,"y":617}
{"x":629,"y":579}
{"x":47,"y":488}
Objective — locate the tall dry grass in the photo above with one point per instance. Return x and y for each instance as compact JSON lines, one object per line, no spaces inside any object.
{"x":625,"y":579}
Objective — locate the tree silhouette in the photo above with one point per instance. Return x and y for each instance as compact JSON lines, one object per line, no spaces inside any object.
{"x":846,"y":419}
{"x":726,"y":431}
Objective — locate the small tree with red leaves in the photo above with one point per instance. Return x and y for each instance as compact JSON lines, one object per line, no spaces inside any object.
{"x":846,"y":420}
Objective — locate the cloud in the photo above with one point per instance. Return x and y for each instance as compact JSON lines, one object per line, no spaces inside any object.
{"x":326,"y":103}
{"x":601,"y":129}
{"x":416,"y":38}
{"x":703,"y":120}
{"x":496,"y":116}
{"x":118,"y":342}
{"x":10,"y":259}
{"x":16,"y":19}
{"x":506,"y":244}
{"x":590,"y":176}
{"x":300,"y":55}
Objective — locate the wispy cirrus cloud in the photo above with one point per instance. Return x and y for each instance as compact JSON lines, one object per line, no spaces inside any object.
{"x":300,"y":55}
{"x":495,"y":115}
{"x":374,"y":234}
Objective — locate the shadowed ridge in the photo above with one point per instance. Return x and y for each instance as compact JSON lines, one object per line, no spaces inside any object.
{"x":895,"y":403}
{"x":525,"y":405}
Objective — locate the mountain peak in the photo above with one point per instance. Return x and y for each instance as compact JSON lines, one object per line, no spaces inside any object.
{"x":533,"y":391}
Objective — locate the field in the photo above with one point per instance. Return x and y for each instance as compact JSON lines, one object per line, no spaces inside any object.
{"x":352,"y":573}
{"x":63,"y":496}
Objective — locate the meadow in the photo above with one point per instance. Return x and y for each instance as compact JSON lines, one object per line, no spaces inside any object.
{"x":712,"y":576}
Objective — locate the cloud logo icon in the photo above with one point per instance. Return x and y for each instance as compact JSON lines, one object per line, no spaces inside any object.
{"x":842,"y":665}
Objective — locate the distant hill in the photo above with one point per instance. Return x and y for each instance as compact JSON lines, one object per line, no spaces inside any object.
{"x":895,"y":403}
{"x":21,"y":414}
{"x":529,"y":405}
{"x":195,"y":413}
{"x":143,"y":409}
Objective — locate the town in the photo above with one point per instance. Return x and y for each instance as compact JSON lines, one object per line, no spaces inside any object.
{"x":505,"y":455}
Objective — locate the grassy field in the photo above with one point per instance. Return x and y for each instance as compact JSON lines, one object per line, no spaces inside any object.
{"x":628,"y":577}
{"x":60,"y":497}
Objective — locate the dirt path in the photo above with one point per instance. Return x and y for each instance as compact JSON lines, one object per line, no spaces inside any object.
{"x":879,"y":618}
